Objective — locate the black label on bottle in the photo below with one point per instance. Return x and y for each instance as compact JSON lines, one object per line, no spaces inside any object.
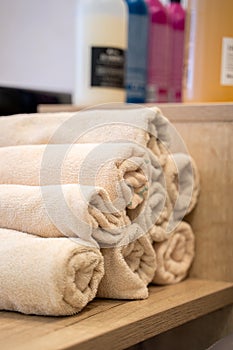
{"x":107,"y":67}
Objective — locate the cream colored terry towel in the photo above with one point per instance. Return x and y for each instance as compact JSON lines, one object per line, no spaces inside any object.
{"x":182,"y":183}
{"x":182,"y":187}
{"x":159,"y":232}
{"x":174,"y":255}
{"x":68,"y":210}
{"x":128,"y":270}
{"x":123,"y":170}
{"x":157,"y":211}
{"x":47,"y":276}
{"x":145,"y":126}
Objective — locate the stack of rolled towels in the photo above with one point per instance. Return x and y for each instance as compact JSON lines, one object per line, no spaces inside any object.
{"x":91,"y":204}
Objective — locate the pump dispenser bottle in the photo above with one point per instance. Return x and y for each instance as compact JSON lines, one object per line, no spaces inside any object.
{"x":158,"y":59}
{"x":101,"y":42}
{"x":136,"y":62}
{"x":176,"y":19}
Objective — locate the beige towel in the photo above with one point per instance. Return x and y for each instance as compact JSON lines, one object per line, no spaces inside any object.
{"x":145,"y":126}
{"x":159,"y":232}
{"x":182,"y":183}
{"x":124,"y":170}
{"x":68,"y":210}
{"x":128,"y":270}
{"x":182,"y":187}
{"x":174,"y":255}
{"x":47,"y":276}
{"x":157,"y":210}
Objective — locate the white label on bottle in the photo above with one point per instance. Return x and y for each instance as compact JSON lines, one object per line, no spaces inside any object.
{"x":227,"y":62}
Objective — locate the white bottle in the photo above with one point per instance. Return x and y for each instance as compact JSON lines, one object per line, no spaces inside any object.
{"x":101,"y":42}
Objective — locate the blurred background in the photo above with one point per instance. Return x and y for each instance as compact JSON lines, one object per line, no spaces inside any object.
{"x":37,"y":44}
{"x":45,"y":59}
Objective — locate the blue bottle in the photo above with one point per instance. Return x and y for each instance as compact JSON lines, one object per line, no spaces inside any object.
{"x":136,"y":62}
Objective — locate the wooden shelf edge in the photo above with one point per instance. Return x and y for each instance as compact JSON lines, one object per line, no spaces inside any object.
{"x":120,"y":324}
{"x":175,"y":112}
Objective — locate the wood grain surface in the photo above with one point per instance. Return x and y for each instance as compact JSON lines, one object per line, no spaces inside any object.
{"x":198,"y":334}
{"x":108,"y":324}
{"x":211,"y":145}
{"x":189,"y":113}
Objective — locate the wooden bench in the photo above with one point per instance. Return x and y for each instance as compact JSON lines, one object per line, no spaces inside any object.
{"x":202,"y":303}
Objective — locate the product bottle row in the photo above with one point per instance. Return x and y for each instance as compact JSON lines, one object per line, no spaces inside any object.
{"x":139,"y":51}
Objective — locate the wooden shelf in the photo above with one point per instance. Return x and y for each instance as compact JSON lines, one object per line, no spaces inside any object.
{"x":113,"y":324}
{"x":175,"y":112}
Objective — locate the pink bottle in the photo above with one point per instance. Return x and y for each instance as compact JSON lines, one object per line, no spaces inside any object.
{"x":158,"y":67}
{"x":176,"y":17}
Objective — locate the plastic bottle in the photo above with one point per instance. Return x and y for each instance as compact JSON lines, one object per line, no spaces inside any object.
{"x":136,"y":63}
{"x":176,"y":19}
{"x":157,"y":81}
{"x":101,"y":41}
{"x":208,"y":73}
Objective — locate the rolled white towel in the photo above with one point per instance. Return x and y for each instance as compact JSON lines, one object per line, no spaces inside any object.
{"x":47,"y":276}
{"x":174,"y":255}
{"x":63,"y":211}
{"x":128,"y":270}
